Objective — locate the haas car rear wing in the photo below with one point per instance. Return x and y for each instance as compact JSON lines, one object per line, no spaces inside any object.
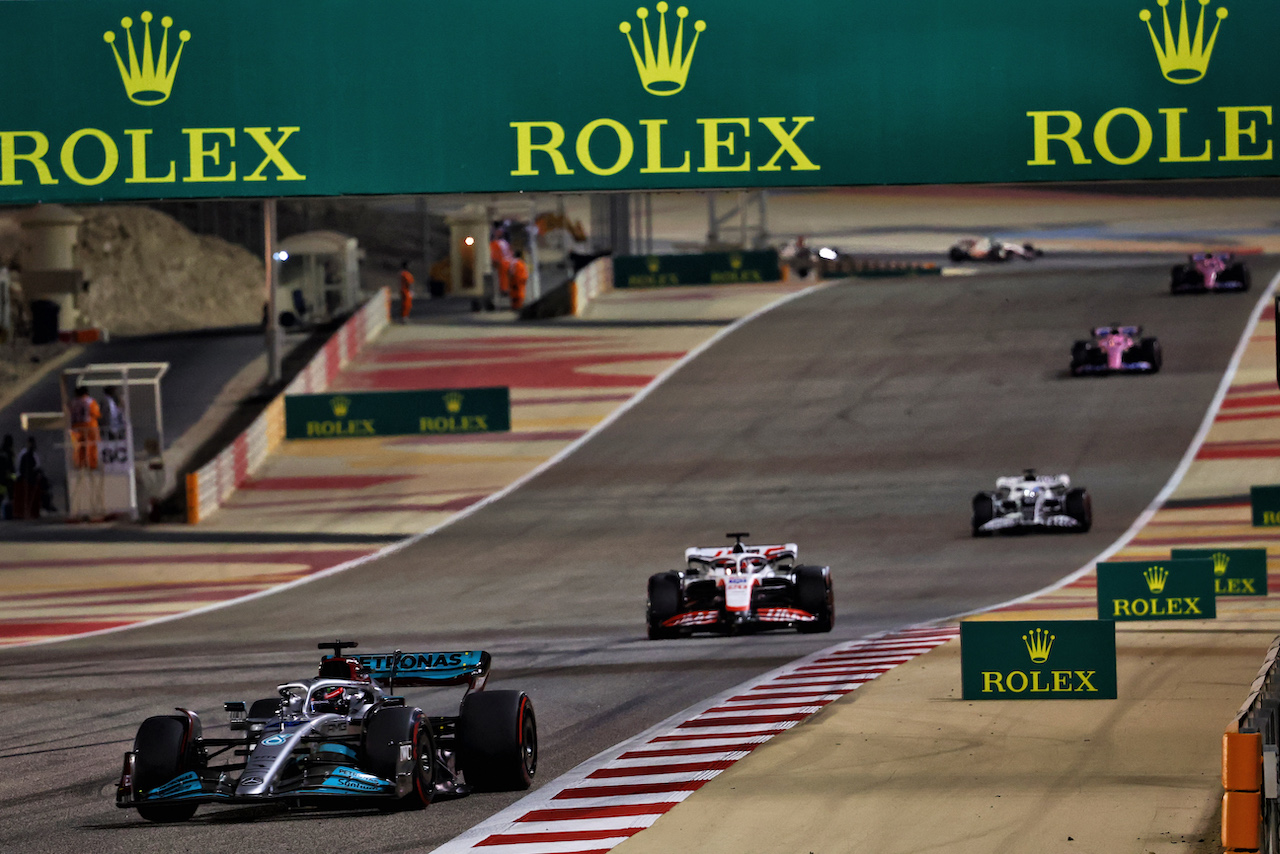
{"x":428,"y":669}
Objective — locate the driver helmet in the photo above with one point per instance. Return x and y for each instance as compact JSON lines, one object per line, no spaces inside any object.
{"x":332,"y":700}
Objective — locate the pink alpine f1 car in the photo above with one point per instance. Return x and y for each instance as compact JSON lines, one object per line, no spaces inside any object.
{"x":1116,"y":349}
{"x":1210,"y":271}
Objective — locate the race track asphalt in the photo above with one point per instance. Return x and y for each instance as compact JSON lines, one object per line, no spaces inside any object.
{"x":856,"y":421}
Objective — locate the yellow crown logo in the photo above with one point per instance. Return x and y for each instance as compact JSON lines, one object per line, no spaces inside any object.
{"x":340,"y":405}
{"x":1156,"y":577}
{"x":1220,"y":561}
{"x":1038,"y":642}
{"x":663,"y":73}
{"x":1187,"y":59}
{"x":147,"y":82}
{"x":735,"y":261}
{"x":453,"y":402}
{"x":654,"y":263}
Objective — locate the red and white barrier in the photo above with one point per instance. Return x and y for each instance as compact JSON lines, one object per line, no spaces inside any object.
{"x":209,"y":487}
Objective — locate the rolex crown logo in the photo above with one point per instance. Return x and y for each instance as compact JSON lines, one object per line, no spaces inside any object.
{"x":1156,"y":577}
{"x":340,"y":405}
{"x":1220,"y":561}
{"x":664,"y":72}
{"x":1183,"y":59}
{"x":654,"y":263}
{"x":453,"y":402}
{"x":1038,"y":642}
{"x":147,"y":82}
{"x":735,"y":260}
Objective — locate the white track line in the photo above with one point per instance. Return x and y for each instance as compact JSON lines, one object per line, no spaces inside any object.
{"x":653,"y":385}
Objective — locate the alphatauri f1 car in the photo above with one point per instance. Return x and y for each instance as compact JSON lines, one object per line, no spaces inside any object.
{"x":341,"y":739}
{"x":1116,"y":349}
{"x":740,"y":588}
{"x":1210,"y":271}
{"x":1027,"y":501}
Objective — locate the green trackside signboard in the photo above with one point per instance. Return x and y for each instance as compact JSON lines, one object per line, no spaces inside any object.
{"x":126,"y":99}
{"x":397,"y":413}
{"x":716,"y":268}
{"x":1236,"y":572}
{"x":1264,"y":502}
{"x":1038,"y":660}
{"x":1156,"y":590}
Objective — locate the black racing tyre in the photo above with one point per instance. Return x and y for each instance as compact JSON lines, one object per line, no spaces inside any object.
{"x":664,"y":603}
{"x":386,"y":730}
{"x":1184,"y":278}
{"x":958,"y":255}
{"x":163,"y":749}
{"x":1079,"y":506}
{"x":1238,"y":273}
{"x":984,"y":510}
{"x":814,"y":594}
{"x":1079,"y":357}
{"x":1149,"y":351}
{"x":498,"y":741}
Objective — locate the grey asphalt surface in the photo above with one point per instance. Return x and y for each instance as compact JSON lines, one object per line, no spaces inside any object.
{"x":857,"y":421}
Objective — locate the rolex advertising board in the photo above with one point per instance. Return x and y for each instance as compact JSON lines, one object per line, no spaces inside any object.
{"x":714,"y":268}
{"x":352,"y":414}
{"x":1236,"y":572}
{"x":185,"y":99}
{"x":1264,"y":504}
{"x":1156,"y":590}
{"x":1038,"y":660}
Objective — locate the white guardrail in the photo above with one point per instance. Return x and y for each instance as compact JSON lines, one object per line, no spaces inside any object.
{"x":591,"y":281}
{"x":209,"y":487}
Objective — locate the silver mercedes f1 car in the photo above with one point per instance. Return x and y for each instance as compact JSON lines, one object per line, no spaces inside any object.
{"x":728,"y":589}
{"x":1030,"y":501}
{"x":342,"y":739}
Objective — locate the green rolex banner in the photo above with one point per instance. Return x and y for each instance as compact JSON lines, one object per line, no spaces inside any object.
{"x":397,"y":413}
{"x":1236,"y":572}
{"x":119,"y":99}
{"x":1264,"y":502}
{"x":1038,"y":660}
{"x":711,"y":268}
{"x":1156,"y":590}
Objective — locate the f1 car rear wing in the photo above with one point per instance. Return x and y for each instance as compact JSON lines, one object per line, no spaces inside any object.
{"x":770,"y":552}
{"x":428,"y":669}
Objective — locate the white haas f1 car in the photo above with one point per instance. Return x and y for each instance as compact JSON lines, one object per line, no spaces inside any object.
{"x":339,"y":740}
{"x":1116,"y":349}
{"x":740,"y":588}
{"x":1209,"y":271}
{"x":991,"y":249}
{"x":1029,"y":502}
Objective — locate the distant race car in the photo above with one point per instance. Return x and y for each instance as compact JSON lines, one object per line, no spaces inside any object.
{"x":1210,"y":271}
{"x":1028,"y":502}
{"x":740,"y":588}
{"x":340,"y":740}
{"x":1116,"y":349}
{"x":990,"y":249}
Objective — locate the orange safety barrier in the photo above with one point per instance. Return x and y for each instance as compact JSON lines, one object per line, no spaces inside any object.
{"x":1242,"y":780}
